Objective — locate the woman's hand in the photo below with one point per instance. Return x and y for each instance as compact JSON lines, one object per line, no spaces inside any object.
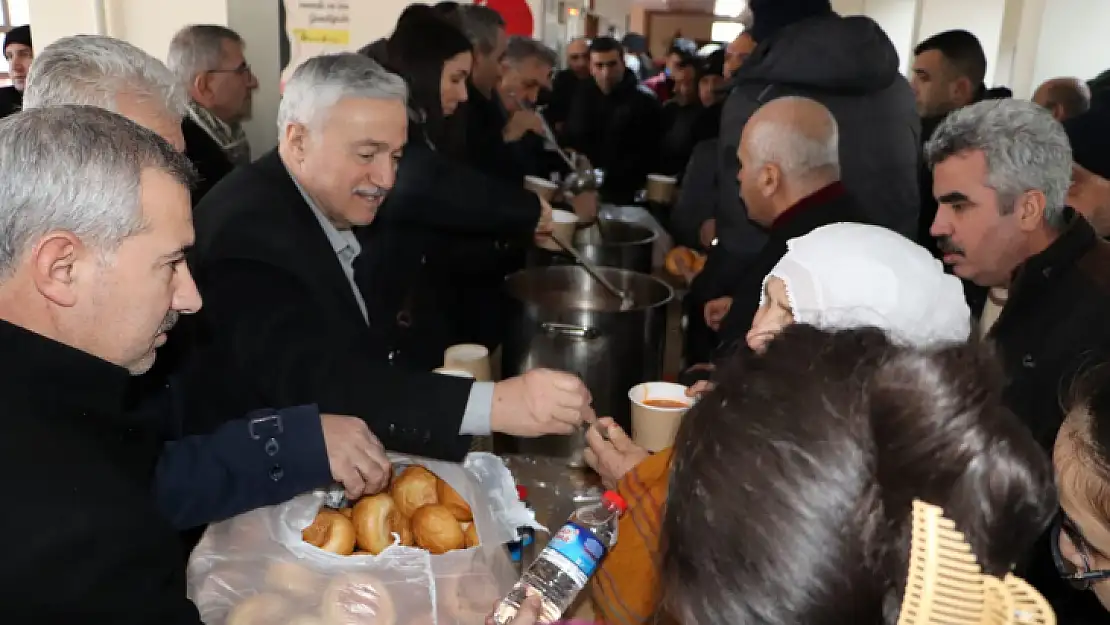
{"x":613,"y":454}
{"x":700,"y":388}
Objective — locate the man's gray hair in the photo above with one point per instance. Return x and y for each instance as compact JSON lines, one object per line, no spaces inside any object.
{"x":198,"y":48}
{"x":1026,"y":150}
{"x":481,"y":25}
{"x":94,"y":70}
{"x":76,"y":169}
{"x":321,"y":82}
{"x":793,"y":150}
{"x":524,"y":48}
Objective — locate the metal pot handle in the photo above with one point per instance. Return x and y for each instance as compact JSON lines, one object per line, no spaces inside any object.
{"x":565,"y":329}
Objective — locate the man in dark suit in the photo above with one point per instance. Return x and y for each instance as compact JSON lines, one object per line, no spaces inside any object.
{"x":299,"y":298}
{"x":209,"y":60}
{"x":270,"y":455}
{"x":93,"y":276}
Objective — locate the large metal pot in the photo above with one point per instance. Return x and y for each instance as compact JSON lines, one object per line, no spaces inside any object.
{"x":563,"y":319}
{"x":622,"y":244}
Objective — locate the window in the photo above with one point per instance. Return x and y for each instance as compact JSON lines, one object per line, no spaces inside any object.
{"x":726,"y":31}
{"x":729,"y":8}
{"x":12,"y":13}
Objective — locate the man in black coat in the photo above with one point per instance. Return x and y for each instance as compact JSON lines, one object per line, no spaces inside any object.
{"x":616,"y":123}
{"x":1001,"y":172}
{"x":209,"y":60}
{"x":293,"y":281}
{"x":94,"y":275}
{"x":19,"y":53}
{"x":566,"y":82}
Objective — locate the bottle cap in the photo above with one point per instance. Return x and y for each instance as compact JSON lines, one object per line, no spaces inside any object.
{"x":612,"y":498}
{"x":522,"y":492}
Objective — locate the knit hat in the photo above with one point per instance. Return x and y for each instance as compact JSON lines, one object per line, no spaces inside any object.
{"x":771,"y":16}
{"x":852,"y":275}
{"x":19,"y":34}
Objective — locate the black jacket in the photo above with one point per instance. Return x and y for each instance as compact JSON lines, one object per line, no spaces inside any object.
{"x":285,"y":324}
{"x":849,"y":65}
{"x":1089,"y":135}
{"x":681,"y":128}
{"x":1050,"y":333}
{"x":563,"y":89}
{"x":97,"y":549}
{"x":11,"y":101}
{"x":830,"y":205}
{"x":206,"y":156}
{"x":619,"y":132}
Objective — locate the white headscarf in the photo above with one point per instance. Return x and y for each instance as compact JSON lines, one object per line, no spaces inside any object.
{"x":850,"y":275}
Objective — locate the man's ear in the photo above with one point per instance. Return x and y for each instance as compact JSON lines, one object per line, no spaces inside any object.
{"x":1030,"y":209}
{"x":200,"y":89}
{"x":964,"y":90}
{"x":770,"y":179}
{"x":296,"y":137}
{"x":53,"y":266}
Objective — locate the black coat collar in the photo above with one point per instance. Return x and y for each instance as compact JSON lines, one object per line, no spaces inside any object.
{"x":1074,"y":241}
{"x":52,"y":380}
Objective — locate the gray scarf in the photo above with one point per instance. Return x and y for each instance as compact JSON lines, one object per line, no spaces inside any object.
{"x":231,"y":138}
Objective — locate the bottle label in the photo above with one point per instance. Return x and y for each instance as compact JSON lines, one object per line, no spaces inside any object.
{"x":577,"y":551}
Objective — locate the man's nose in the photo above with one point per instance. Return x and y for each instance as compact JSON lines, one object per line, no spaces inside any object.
{"x":186,"y":296}
{"x":941,"y":226}
{"x":383,"y":173}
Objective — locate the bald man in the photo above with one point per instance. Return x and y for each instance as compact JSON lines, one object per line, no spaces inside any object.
{"x":736,"y":52}
{"x":790,"y":181}
{"x":1064,"y":97}
{"x":566,"y":82}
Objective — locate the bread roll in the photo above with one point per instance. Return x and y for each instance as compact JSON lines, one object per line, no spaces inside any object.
{"x":435,"y":529}
{"x":415,"y":487}
{"x":454,"y":502}
{"x":331,"y":531}
{"x":357,"y":599}
{"x":376,"y":519}
{"x":261,"y":609}
{"x":346,"y":512}
{"x":470,"y":533}
{"x":291,"y":579}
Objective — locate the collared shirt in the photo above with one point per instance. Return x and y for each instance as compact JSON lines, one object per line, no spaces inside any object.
{"x":479,"y":405}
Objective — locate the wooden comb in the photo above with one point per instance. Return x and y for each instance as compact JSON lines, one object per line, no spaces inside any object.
{"x":946,"y":585}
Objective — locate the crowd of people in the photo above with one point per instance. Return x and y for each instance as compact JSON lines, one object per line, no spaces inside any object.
{"x":905,"y":300}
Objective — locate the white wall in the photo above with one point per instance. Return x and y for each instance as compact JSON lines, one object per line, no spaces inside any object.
{"x":1073,"y":40}
{"x":896,"y":17}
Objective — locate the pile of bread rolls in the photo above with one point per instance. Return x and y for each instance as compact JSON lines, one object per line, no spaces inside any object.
{"x":419,"y":508}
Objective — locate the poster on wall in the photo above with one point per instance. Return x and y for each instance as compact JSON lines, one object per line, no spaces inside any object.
{"x":310,"y":28}
{"x":520,"y":18}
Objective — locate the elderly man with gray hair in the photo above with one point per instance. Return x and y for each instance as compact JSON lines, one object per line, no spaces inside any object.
{"x":209,"y":61}
{"x":301,"y":299}
{"x":94,"y":224}
{"x":790,"y":182}
{"x":1001,"y":173}
{"x":225,"y":467}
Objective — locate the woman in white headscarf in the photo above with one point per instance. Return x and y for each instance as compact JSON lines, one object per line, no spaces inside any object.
{"x":836,"y":277}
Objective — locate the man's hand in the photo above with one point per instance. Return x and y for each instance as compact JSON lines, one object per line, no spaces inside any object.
{"x":540,"y":402}
{"x":585,"y":206}
{"x":701,"y":387}
{"x":611,"y":458}
{"x":546,"y":223}
{"x":356,"y":457}
{"x":715,"y":311}
{"x":1090,"y":195}
{"x":707,"y":233}
{"x":520,"y":123}
{"x":529,"y":613}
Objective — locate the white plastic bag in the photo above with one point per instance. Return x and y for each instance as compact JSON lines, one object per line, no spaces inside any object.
{"x":255,"y":569}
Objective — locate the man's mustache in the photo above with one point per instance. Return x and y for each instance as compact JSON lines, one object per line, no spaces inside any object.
{"x":169,"y":322}
{"x":946,"y":246}
{"x":375,"y":193}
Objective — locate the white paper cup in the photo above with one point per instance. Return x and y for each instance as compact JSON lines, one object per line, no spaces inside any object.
{"x":543,"y":188}
{"x":469,"y":357}
{"x":564,"y":224}
{"x":654,"y":426}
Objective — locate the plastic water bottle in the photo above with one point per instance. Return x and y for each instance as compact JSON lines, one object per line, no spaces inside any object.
{"x":565,"y":565}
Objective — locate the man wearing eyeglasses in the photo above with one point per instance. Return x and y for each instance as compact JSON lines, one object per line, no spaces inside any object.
{"x":208,"y":59}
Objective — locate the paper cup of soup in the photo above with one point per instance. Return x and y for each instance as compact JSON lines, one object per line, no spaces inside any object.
{"x":543,"y":188}
{"x":564,"y":224}
{"x":660,"y":189}
{"x":469,"y":357}
{"x":657,"y":409}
